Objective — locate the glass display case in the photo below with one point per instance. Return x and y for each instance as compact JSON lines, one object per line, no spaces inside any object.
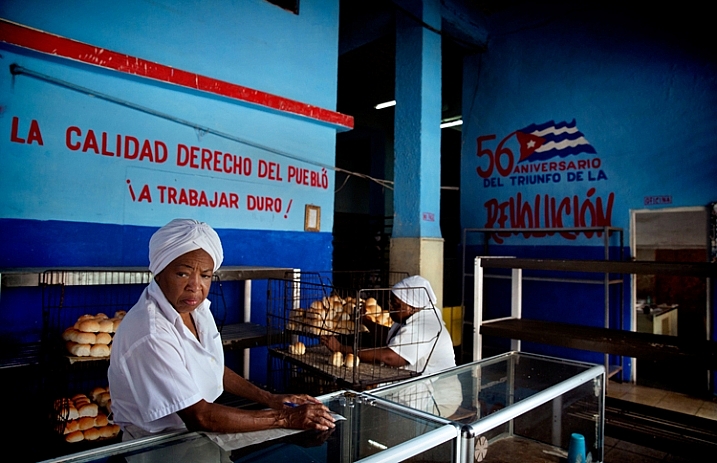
{"x":372,"y":431}
{"x":514,"y":407}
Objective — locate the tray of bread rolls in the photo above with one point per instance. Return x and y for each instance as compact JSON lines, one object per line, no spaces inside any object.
{"x":90,"y":337}
{"x":85,"y":417}
{"x":345,"y":368}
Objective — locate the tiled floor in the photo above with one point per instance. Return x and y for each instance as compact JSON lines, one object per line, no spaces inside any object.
{"x":659,"y":398}
{"x":626,"y":452}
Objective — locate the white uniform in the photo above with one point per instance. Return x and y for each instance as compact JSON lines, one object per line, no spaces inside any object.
{"x":415,"y":341}
{"x":157,"y":366}
{"x":424,"y":342}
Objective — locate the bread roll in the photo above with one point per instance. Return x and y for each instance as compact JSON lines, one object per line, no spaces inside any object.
{"x":96,"y":392}
{"x":101,"y":420}
{"x":76,"y":436}
{"x":88,"y":410}
{"x":101,"y":316}
{"x":92,"y":434}
{"x":100,"y":350}
{"x":337,"y":359}
{"x":297,"y":348}
{"x":351,"y":360}
{"x":103,"y":398}
{"x":86,"y":316}
{"x":120,"y":314}
{"x":107,"y":431}
{"x":103,"y":338}
{"x":110,"y":430}
{"x":71,"y":426}
{"x":82,"y":337}
{"x":69,"y":334}
{"x":106,"y":326}
{"x":80,"y":350}
{"x":72,"y":413}
{"x":86,"y":422}
{"x":115,"y":323}
{"x":79,"y":403}
{"x":89,"y":326}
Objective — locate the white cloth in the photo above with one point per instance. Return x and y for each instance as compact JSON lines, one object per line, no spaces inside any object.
{"x":423,"y":341}
{"x":179,"y":237}
{"x":157,"y":366}
{"x":415,"y":341}
{"x":415,"y":291}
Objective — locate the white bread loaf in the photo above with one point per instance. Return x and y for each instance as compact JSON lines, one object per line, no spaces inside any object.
{"x":80,"y":350}
{"x":83,"y":337}
{"x":103,"y":398}
{"x":351,"y":360}
{"x":88,"y":410}
{"x":101,"y":420}
{"x":297,"y":348}
{"x":71,"y":426}
{"x":96,"y":392}
{"x":106,"y":326}
{"x":100,"y":350}
{"x":336,"y":359}
{"x":75,"y":436}
{"x":103,"y":338}
{"x":69,"y":334}
{"x":86,"y":422}
{"x":92,"y":434}
{"x":89,"y":326}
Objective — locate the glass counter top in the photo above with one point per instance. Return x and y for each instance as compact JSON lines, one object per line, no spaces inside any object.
{"x":373,"y":431}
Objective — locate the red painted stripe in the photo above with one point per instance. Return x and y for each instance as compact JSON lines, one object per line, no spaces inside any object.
{"x":44,"y":42}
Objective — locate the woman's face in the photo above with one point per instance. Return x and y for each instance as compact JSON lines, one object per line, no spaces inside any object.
{"x":186,"y":280}
{"x":399,"y":309}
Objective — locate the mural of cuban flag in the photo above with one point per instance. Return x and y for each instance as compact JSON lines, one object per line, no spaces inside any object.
{"x":540,"y":142}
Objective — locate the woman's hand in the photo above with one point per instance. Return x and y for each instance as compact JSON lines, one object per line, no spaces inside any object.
{"x":308,"y":416}
{"x":334,"y":345}
{"x":281,"y":401}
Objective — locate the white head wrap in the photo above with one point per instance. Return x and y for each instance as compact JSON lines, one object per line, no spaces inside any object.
{"x":415,"y":291}
{"x":179,"y":237}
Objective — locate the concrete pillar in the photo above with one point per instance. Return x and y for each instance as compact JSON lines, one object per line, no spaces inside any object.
{"x":416,"y":243}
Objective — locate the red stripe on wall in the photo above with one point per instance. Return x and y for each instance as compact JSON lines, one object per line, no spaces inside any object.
{"x":44,"y":42}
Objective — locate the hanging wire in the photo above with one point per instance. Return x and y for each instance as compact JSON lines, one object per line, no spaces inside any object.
{"x":16,"y":70}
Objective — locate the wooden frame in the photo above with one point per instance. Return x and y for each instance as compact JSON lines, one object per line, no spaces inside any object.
{"x":312,"y":218}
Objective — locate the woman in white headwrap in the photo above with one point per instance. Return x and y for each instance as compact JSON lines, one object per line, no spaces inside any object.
{"x":418,"y":340}
{"x":167,"y":363}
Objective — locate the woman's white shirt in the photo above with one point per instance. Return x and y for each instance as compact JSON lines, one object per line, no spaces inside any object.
{"x":157,"y":366}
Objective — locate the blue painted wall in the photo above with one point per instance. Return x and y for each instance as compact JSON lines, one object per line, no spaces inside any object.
{"x":631,"y":103}
{"x":67,"y":204}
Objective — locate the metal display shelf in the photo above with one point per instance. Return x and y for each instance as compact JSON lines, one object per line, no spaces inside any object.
{"x":701,"y":352}
{"x":24,"y":277}
{"x":241,"y":335}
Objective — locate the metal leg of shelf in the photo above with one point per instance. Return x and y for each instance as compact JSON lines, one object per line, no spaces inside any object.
{"x":477,"y":310}
{"x":516,"y":308}
{"x":247,"y":319}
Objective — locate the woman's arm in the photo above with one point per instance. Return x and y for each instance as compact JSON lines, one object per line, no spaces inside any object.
{"x":205,"y":416}
{"x":310,"y":413}
{"x":382,"y":354}
{"x":235,"y":384}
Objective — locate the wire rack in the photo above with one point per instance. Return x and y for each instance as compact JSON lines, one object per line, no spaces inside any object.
{"x":306,"y":312}
{"x":67,"y":297}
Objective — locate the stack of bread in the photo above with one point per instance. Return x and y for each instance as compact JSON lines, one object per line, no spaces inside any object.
{"x":84,"y":418}
{"x":338,"y":359}
{"x":333,"y":314}
{"x":91,"y":335}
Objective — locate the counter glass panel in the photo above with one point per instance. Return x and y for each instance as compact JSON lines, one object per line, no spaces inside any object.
{"x":373,"y":431}
{"x":516,"y":405}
